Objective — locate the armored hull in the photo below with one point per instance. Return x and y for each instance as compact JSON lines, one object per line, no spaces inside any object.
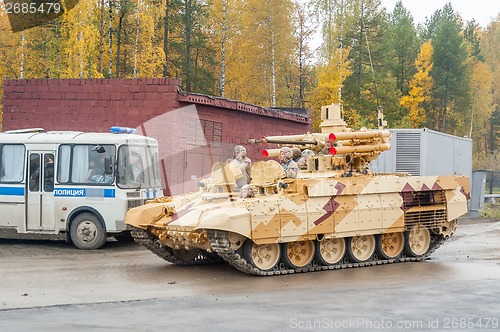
{"x":313,"y":224}
{"x":334,"y":214}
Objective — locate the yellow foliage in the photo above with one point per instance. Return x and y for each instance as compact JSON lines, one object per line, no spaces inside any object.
{"x":82,"y":41}
{"x":482,"y":104}
{"x":330,"y":79}
{"x":9,"y":62}
{"x":420,"y":87}
{"x":149,"y":57}
{"x":258,"y":51}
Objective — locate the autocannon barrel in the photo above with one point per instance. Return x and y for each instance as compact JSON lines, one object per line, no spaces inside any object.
{"x":289,"y":142}
{"x":360,"y":148}
{"x":270,"y":153}
{"x":359,"y":135}
{"x":304,"y":139}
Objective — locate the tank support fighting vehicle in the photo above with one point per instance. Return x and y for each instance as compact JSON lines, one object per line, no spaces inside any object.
{"x":335,"y":214}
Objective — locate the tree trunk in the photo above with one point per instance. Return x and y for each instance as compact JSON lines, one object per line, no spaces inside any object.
{"x":118,"y":45}
{"x":136,"y":45}
{"x":58,"y":50}
{"x":110,"y":41}
{"x":21,"y":67}
{"x":101,"y":37}
{"x":445,"y":107}
{"x":222,"y":84}
{"x":273,"y":71}
{"x":187,"y":40}
{"x":80,"y":56}
{"x":165,"y":38}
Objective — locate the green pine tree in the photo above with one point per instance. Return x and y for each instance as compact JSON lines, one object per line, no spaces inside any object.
{"x":449,"y":71}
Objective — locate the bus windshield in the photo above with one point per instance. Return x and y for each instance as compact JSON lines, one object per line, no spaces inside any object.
{"x":137,"y":167}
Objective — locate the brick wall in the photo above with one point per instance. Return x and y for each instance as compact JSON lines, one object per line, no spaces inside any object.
{"x":157,"y":108}
{"x":85,"y":104}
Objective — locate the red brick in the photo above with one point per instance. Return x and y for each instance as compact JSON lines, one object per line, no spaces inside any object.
{"x":134,"y":88}
{"x":82,"y":96}
{"x":148,"y":103}
{"x":139,"y":96}
{"x":137,"y":103}
{"x":54,"y":95}
{"x":152,"y":96}
{"x":70,"y":96}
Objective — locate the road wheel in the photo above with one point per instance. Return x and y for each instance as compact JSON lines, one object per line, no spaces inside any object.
{"x":330,"y":251}
{"x":390,"y":245}
{"x":86,"y":232}
{"x":298,"y":254}
{"x":262,"y":256}
{"x":360,"y":248}
{"x":417,"y":240}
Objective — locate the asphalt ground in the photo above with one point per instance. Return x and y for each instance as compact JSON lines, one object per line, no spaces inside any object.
{"x":51,"y":286}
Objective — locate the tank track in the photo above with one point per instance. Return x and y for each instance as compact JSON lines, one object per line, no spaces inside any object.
{"x":220,"y":244}
{"x":151,"y":242}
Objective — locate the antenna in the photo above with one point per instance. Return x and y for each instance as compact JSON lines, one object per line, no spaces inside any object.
{"x":341,"y":46}
{"x":369,"y":53}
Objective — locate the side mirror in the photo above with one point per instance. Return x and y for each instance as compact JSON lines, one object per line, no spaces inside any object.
{"x":108,"y":165}
{"x":99,"y":148}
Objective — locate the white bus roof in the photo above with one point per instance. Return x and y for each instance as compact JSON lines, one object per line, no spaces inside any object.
{"x":71,"y":137}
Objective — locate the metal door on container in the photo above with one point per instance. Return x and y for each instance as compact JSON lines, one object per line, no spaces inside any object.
{"x":40,"y":191}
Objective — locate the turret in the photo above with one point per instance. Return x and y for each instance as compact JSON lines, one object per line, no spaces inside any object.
{"x":339,"y":150}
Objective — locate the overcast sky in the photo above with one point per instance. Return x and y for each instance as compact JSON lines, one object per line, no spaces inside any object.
{"x":483,"y":11}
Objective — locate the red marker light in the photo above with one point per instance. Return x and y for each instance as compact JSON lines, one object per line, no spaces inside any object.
{"x":265,"y":154}
{"x":332,"y":137}
{"x":333,"y":151}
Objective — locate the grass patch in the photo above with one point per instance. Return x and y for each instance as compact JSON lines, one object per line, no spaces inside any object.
{"x":490,"y":210}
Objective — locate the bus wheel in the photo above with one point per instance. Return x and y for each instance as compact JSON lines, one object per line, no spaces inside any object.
{"x":87,"y":232}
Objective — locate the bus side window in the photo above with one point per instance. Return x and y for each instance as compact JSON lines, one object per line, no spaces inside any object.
{"x":34,"y":179}
{"x":12,"y":163}
{"x":48,"y":171}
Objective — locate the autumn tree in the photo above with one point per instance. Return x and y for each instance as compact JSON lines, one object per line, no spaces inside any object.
{"x":81,"y":35}
{"x":336,"y":17}
{"x":330,"y":80}
{"x":490,"y":44}
{"x":480,"y":87}
{"x":481,"y":105}
{"x":124,"y":9}
{"x":405,"y":44}
{"x":189,"y":51}
{"x":224,"y":27}
{"x":370,"y":86}
{"x":148,"y":54}
{"x":7,"y":50}
{"x":449,"y":70}
{"x":420,"y":87}
{"x":304,"y":31}
{"x":9,"y":65}
{"x":471,"y":36}
{"x":265,"y":46}
{"x":494,"y":134}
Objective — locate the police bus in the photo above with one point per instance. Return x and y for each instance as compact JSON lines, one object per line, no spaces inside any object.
{"x":73,"y":184}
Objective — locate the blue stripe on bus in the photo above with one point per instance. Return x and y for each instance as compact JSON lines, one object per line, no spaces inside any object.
{"x":84,"y":192}
{"x":110,"y":193}
{"x":12,"y":191}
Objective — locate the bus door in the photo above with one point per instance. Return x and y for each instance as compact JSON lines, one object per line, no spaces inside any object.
{"x":40,"y":191}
